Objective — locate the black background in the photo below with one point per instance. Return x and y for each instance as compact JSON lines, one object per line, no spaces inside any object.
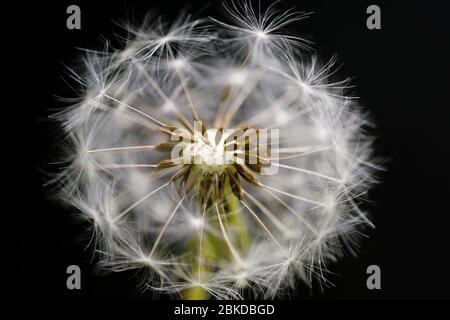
{"x":400,"y":75}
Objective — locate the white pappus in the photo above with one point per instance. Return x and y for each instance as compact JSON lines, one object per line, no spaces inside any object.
{"x":217,"y":229}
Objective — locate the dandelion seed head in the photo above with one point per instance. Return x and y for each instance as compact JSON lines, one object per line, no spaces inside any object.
{"x":218,"y":157}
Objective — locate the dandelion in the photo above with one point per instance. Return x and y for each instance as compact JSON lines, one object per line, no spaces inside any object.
{"x":219,"y":157}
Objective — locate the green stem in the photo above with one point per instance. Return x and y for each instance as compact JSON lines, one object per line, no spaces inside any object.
{"x":215,"y":248}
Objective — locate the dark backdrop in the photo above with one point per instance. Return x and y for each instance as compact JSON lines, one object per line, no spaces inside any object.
{"x":400,"y":74}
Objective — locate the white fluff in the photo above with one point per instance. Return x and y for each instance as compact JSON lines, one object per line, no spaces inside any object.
{"x":167,"y":73}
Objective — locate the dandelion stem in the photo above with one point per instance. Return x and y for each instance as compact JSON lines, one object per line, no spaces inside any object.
{"x":227,"y":239}
{"x":200,"y":242}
